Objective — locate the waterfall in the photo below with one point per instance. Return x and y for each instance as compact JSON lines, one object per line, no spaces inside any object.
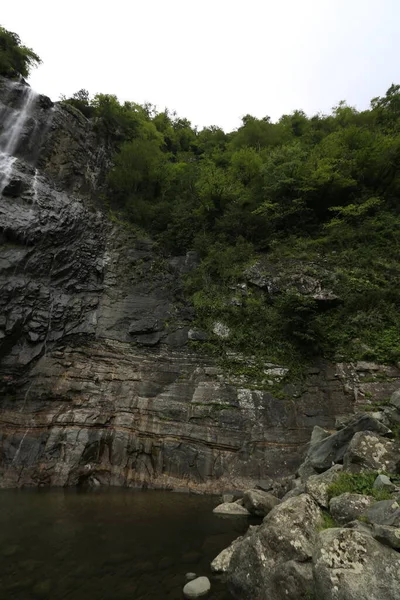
{"x":12,"y":129}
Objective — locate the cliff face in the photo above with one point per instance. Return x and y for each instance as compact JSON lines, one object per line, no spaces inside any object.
{"x":98,"y":382}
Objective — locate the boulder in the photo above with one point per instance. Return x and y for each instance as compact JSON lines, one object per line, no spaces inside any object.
{"x":368,"y":451}
{"x":390,"y":536}
{"x":281,"y":544}
{"x":318,"y":434}
{"x":317,"y":485}
{"x":385,"y":512}
{"x":226,"y":498}
{"x":231,"y":508}
{"x":347,"y":506}
{"x":305,"y":470}
{"x":221,"y":563}
{"x":332,"y":449}
{"x":395,"y":400}
{"x":259,"y":503}
{"x":349,"y":565}
{"x":197,"y":588}
{"x":382,"y":482}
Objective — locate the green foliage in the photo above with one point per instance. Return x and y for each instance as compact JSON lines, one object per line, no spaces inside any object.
{"x":357,"y":483}
{"x":15,"y":59}
{"x":322,"y":190}
{"x":327,"y":521}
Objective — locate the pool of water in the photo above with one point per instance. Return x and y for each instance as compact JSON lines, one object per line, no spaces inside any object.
{"x":112,"y":544}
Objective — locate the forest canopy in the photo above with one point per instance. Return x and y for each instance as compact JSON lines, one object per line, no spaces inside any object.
{"x":319,"y":192}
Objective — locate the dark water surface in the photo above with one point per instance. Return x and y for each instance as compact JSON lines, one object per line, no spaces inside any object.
{"x":114,"y":544}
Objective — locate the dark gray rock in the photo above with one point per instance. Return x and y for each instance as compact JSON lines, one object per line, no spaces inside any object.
{"x":382,"y":482}
{"x":370,"y":452}
{"x":347,"y":506}
{"x":389,"y":536}
{"x":259,"y":503}
{"x":317,"y":485}
{"x":318,"y":434}
{"x":395,"y":400}
{"x":385,"y":512}
{"x":349,"y":565}
{"x":286,"y":536}
{"x":332,"y":449}
{"x":221,"y":563}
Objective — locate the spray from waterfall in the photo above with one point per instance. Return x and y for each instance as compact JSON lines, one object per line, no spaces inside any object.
{"x":12,"y":130}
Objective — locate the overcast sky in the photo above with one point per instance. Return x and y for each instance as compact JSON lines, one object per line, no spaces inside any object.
{"x":214,"y":61}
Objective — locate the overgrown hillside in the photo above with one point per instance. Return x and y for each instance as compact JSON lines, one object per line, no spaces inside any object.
{"x":316,"y":199}
{"x":296,"y":224}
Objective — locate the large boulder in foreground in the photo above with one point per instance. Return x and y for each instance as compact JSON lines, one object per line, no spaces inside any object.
{"x":333,"y":448}
{"x":349,"y":565}
{"x":259,"y":503}
{"x":274,"y":561}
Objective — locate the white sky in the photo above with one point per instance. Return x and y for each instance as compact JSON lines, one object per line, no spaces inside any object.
{"x":214,"y":61}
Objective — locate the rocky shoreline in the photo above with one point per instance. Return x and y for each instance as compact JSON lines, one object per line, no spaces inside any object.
{"x":334,"y":534}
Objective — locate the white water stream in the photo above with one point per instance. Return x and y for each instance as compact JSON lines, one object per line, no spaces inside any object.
{"x":12,"y":128}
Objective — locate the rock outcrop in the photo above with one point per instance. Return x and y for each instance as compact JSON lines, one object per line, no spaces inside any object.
{"x":327,"y":542}
{"x":99,"y":383}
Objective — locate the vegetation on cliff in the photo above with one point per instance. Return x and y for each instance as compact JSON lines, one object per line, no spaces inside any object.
{"x":315,"y":200}
{"x":319,"y":197}
{"x":15,"y":59}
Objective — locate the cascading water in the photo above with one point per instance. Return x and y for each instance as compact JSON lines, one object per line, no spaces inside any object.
{"x":12,"y":129}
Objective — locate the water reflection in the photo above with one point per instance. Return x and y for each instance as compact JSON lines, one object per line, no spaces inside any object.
{"x":114,"y":544}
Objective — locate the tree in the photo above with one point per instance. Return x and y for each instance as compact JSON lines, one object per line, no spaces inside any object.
{"x":15,"y":59}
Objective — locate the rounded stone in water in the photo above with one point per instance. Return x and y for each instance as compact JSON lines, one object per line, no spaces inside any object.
{"x":197,"y":588}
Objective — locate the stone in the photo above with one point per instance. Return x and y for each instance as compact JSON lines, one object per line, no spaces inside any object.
{"x":305,"y":470}
{"x":382,"y":482}
{"x":318,"y":434}
{"x":264,"y":484}
{"x":395,"y":400}
{"x":231,"y":508}
{"x":348,"y":506}
{"x":317,"y":485}
{"x":227,"y":498}
{"x":385,"y":512}
{"x":190,"y":576}
{"x":281,"y":544}
{"x":368,"y":451}
{"x":197,"y":588}
{"x":221,"y":563}
{"x":221,"y":330}
{"x":333,"y":448}
{"x":196,"y":335}
{"x":259,"y":503}
{"x":297,"y":491}
{"x":349,"y":565}
{"x":389,"y":536}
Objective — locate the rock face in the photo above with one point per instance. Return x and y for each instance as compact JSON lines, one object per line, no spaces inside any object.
{"x":98,"y":383}
{"x":349,"y":565}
